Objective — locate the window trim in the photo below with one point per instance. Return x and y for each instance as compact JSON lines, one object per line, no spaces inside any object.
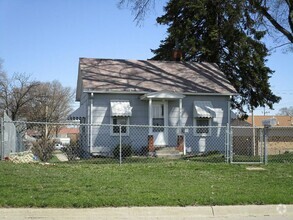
{"x":112,"y":126}
{"x":208,"y":127}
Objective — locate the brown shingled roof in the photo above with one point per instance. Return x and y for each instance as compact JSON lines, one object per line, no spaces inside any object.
{"x":65,"y":130}
{"x":282,"y":121}
{"x":151,"y":76}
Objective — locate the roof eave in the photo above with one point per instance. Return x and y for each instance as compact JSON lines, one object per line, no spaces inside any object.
{"x":145,"y":92}
{"x":78,"y":85}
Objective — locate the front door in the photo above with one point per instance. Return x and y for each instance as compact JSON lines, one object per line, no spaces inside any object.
{"x":160,"y":119}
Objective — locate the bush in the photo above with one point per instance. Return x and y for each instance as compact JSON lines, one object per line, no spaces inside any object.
{"x":143,"y":151}
{"x":126,"y":151}
{"x":71,"y":151}
{"x":43,"y":149}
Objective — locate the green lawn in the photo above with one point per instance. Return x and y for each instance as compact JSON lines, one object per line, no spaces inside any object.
{"x":168,"y":183}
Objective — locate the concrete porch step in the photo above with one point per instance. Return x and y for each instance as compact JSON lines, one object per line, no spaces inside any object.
{"x":169,"y":152}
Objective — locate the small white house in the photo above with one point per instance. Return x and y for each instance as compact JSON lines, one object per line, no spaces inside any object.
{"x":158,"y":94}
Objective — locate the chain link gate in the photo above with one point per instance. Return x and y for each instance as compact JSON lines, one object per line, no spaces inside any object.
{"x":247,"y":145}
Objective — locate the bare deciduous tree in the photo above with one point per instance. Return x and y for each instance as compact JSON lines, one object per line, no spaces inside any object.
{"x":139,"y":8}
{"x":16,"y":93}
{"x":23,"y":98}
{"x":286,"y":111}
{"x":277,"y":17}
{"x":52,"y":102}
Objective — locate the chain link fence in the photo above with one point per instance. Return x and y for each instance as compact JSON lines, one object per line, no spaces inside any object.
{"x":261,"y":145}
{"x":118,"y":144}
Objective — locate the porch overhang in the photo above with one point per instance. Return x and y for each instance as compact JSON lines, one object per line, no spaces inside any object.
{"x":166,"y":95}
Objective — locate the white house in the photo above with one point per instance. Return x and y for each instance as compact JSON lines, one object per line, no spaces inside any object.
{"x":158,"y":94}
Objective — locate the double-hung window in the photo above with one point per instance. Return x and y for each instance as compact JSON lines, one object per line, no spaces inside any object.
{"x":121,"y":111}
{"x":202,"y":126}
{"x":203,"y":114}
{"x":118,"y":121}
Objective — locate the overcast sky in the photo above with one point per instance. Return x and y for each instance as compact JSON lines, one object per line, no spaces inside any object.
{"x":45,"y":38}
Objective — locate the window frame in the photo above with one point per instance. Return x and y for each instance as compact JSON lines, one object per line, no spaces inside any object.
{"x":195,"y":124}
{"x":113,"y":125}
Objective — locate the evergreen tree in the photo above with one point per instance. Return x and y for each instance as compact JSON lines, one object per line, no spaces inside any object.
{"x":221,"y":32}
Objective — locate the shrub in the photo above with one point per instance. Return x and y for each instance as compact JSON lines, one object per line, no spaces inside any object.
{"x":43,"y":149}
{"x":143,"y":151}
{"x":71,"y":151}
{"x":126,"y":151}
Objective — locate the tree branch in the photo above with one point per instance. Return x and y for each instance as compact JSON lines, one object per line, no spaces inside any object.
{"x":263,"y":10}
{"x":273,"y":48}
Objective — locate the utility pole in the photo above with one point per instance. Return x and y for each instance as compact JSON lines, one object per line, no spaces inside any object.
{"x":264,"y":111}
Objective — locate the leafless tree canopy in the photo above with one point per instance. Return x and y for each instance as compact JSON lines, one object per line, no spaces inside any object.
{"x":16,"y":93}
{"x":139,"y":8}
{"x":286,"y":111}
{"x":25,"y":99}
{"x":51,"y":103}
{"x":277,"y":17}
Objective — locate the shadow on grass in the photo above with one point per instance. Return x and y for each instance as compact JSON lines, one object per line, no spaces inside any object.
{"x":111,"y":160}
{"x":213,"y":158}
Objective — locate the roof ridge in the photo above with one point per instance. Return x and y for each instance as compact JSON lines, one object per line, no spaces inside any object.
{"x":147,"y":60}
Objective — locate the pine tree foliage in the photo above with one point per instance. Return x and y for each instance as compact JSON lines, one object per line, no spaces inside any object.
{"x":221,"y":32}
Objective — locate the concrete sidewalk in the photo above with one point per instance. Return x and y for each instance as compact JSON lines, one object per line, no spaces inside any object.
{"x":172,"y":213}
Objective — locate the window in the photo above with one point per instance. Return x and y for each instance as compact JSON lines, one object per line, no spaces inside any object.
{"x":120,"y":111}
{"x":118,"y":120}
{"x":202,"y":126}
{"x":158,"y":117}
{"x":158,"y":122}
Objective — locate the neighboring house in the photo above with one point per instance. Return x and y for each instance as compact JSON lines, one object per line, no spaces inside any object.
{"x":66,"y":136}
{"x":152,"y":93}
{"x":282,"y":121}
{"x":280,"y":136}
{"x":71,"y":133}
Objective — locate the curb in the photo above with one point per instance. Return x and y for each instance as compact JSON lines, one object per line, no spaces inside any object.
{"x":189,"y":212}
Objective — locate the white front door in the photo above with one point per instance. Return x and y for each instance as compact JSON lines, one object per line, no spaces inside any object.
{"x":159,"y":120}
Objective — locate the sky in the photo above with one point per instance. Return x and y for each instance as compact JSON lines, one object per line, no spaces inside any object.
{"x":46,"y":38}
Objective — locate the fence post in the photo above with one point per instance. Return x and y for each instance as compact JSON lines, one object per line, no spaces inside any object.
{"x":228,"y":144}
{"x":2,"y":138}
{"x":120,"y":145}
{"x":266,"y":129}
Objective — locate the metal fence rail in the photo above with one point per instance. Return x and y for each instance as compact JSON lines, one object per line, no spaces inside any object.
{"x":102,"y":143}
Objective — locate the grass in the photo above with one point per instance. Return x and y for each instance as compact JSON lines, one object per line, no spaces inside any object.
{"x":168,"y":183}
{"x":278,"y":158}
